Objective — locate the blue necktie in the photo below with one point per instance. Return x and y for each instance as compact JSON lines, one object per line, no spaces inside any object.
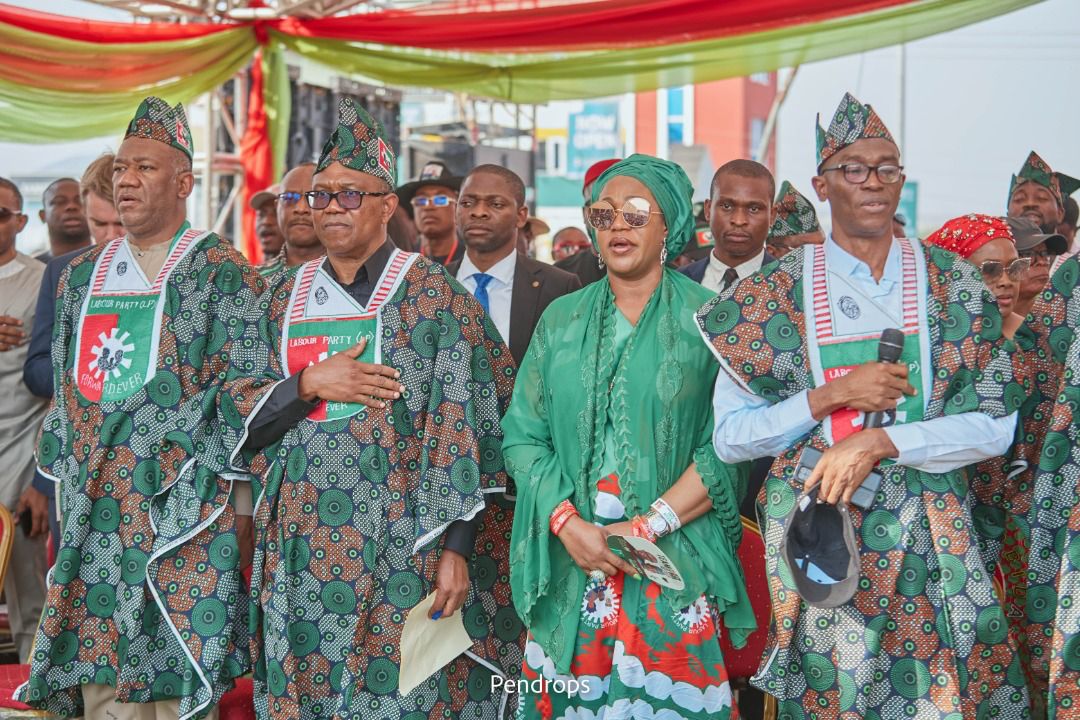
{"x":482,"y":280}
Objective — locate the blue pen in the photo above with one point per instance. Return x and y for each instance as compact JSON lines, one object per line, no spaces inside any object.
{"x":437,"y":615}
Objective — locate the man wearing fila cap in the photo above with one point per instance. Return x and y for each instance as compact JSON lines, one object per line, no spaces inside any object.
{"x":380,"y":445}
{"x":917,"y":631}
{"x":796,"y":223}
{"x":430,"y":200}
{"x":146,"y":612}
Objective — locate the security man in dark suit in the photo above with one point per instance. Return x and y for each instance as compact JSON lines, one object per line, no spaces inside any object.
{"x":511,"y":287}
{"x":740,"y":213}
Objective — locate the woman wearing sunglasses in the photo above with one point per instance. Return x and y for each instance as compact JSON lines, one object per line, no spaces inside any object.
{"x":1003,"y":488}
{"x":987,"y":243}
{"x":609,"y":434}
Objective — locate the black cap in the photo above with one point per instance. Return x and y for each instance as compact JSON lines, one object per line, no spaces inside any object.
{"x":433,"y":173}
{"x":1028,"y":236}
{"x":819,"y":548}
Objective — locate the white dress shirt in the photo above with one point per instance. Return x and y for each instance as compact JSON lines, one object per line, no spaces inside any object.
{"x":714,"y":273}
{"x":500,"y":290}
{"x":748,"y":427}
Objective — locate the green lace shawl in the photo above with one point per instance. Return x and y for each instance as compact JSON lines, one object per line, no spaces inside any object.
{"x":660,"y":395}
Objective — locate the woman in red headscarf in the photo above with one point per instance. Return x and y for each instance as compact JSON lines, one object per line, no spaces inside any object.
{"x":987,"y":243}
{"x":1003,"y":488}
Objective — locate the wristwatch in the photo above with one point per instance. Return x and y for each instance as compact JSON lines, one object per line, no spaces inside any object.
{"x":656,"y":523}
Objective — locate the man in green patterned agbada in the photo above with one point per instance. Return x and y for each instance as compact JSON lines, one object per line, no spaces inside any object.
{"x":920,"y":632}
{"x":380,"y":451}
{"x":146,"y":606}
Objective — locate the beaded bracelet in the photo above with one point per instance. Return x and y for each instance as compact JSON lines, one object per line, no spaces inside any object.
{"x":668,"y":515}
{"x":561,"y":515}
{"x":641,"y":528}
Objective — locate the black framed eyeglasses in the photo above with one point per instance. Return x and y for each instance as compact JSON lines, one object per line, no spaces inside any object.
{"x":993,"y":269}
{"x":347,"y":199}
{"x":858,"y":173}
{"x":289,"y":198}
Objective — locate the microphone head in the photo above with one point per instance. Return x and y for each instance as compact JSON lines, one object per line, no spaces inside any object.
{"x":891,"y":345}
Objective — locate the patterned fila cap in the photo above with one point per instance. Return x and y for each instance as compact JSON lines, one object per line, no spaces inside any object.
{"x":1036,"y":170}
{"x":852,"y":121}
{"x":157,"y":121}
{"x":794,"y":214}
{"x":359,"y":143}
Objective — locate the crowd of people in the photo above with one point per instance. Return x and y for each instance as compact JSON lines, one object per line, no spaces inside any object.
{"x":263,"y":469}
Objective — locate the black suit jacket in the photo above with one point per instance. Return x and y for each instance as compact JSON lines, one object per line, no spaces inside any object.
{"x":696,"y":270}
{"x":585,"y":265}
{"x":536,"y":285}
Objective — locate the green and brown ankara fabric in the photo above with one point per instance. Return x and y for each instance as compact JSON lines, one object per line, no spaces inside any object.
{"x":352,"y":509}
{"x":155,"y":120}
{"x":1010,"y":499}
{"x":1038,"y":171}
{"x":1053,"y":615}
{"x":925,"y":635}
{"x":146,"y":594}
{"x":851,"y":122}
{"x":795,"y":215}
{"x":360,"y":143}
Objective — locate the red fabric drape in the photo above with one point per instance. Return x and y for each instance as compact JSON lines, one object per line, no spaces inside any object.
{"x":600,"y":24}
{"x":257,"y":159}
{"x":102,"y":31}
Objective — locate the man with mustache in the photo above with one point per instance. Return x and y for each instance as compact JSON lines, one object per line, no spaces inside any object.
{"x":62,"y":213}
{"x":294,"y":219}
{"x":430,"y":200}
{"x":909,"y":624}
{"x":739,"y":213}
{"x":267,"y":231}
{"x":146,"y":614}
{"x":379,"y":441}
{"x":512,"y":288}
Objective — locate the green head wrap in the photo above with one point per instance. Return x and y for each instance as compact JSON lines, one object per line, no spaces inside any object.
{"x":668,"y":184}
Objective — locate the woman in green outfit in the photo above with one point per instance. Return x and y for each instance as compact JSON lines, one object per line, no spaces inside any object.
{"x":609,"y":433}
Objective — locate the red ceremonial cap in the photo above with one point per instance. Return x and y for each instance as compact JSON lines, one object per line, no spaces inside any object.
{"x":966,"y":234}
{"x":597,"y":168}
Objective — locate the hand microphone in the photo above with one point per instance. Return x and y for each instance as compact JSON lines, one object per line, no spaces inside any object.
{"x":890,"y":348}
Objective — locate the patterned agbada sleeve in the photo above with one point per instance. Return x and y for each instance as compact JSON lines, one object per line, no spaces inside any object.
{"x":254,"y":370}
{"x":470,"y":389}
{"x":756,"y":331}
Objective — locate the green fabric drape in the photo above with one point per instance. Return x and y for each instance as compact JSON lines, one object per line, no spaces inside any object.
{"x":55,"y":89}
{"x":544,"y":77}
{"x":74,"y":89}
{"x":277,"y":99}
{"x":554,"y":436}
